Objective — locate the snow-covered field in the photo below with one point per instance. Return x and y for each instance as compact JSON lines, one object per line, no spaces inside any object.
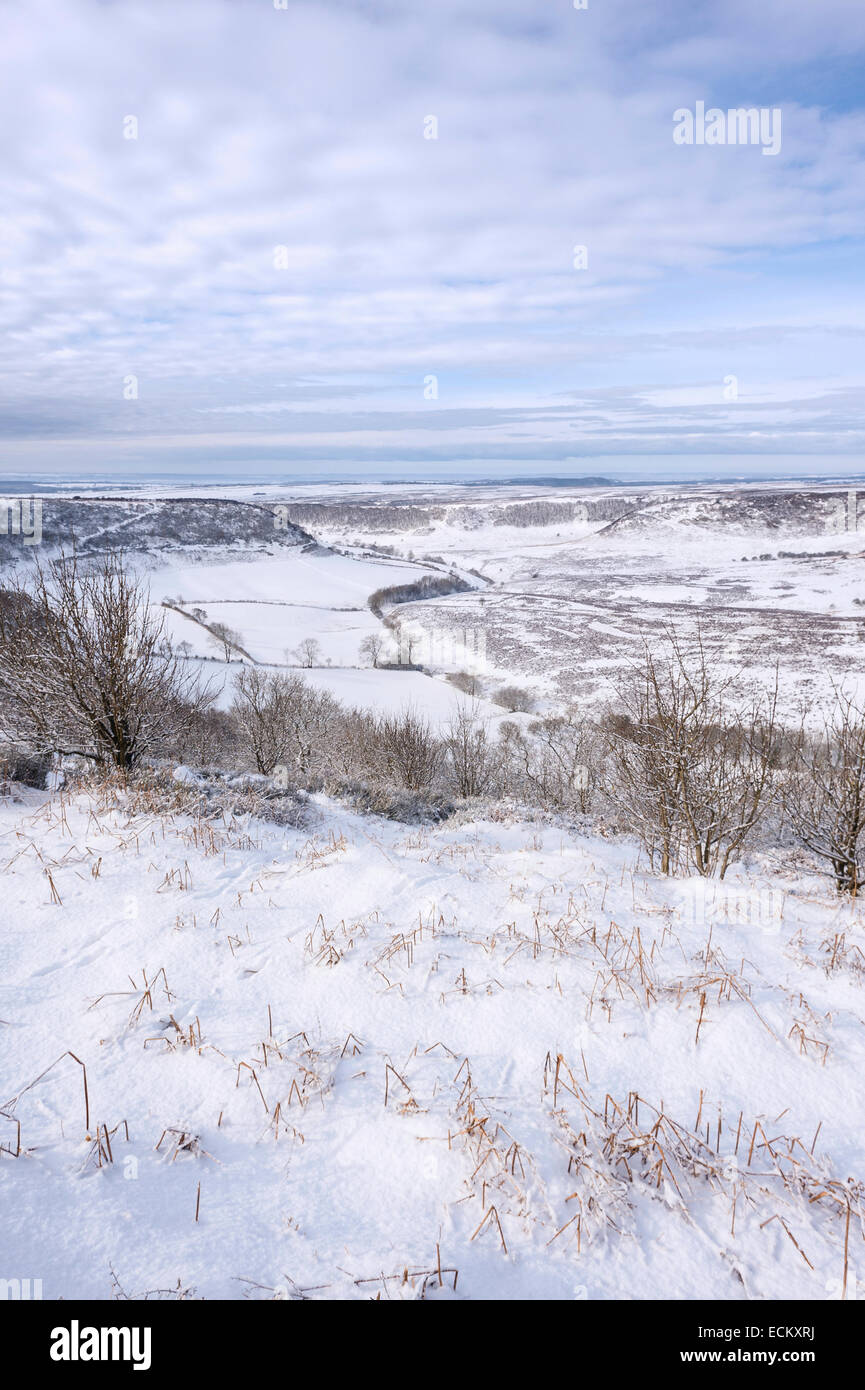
{"x":382,"y":692}
{"x":275,"y":603}
{"x":326,"y":580}
{"x":392,"y":691}
{"x":334,"y":1061}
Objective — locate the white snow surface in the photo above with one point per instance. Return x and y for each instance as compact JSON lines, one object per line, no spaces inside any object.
{"x":273,"y":604}
{"x":341,"y":1044}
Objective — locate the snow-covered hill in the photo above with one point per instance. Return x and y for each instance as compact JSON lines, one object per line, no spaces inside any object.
{"x":195,"y":526}
{"x":353,"y":1058}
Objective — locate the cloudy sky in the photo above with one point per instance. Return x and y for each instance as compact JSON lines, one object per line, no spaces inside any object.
{"x":282,"y":273}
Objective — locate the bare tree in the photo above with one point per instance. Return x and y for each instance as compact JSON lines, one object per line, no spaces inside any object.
{"x":283,"y":720}
{"x":691,"y":767}
{"x":472,"y":755}
{"x":372,"y":647}
{"x":227,"y":638}
{"x":85,"y":666}
{"x":824,"y":792}
{"x":409,"y":642}
{"x":557,"y":760}
{"x":308,"y":652}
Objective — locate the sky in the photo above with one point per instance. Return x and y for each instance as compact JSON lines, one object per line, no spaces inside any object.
{"x":387,"y":237}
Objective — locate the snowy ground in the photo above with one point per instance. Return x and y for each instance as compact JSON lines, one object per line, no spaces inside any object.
{"x":391,"y":692}
{"x":378,"y":691}
{"x":275,"y":603}
{"x":356,"y":1050}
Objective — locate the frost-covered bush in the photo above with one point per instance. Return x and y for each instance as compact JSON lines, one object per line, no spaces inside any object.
{"x":555,"y":762}
{"x":19,"y":765}
{"x":394,"y":803}
{"x":823,"y":793}
{"x":514,"y":698}
{"x":690,"y":765}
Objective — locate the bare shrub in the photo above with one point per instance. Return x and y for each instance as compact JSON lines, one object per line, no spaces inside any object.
{"x":260,"y":708}
{"x":282,"y":719}
{"x":465,"y":681}
{"x":352,"y":746}
{"x":556,"y":761}
{"x":514,"y":698}
{"x":473,"y":757}
{"x":824,"y":792}
{"x":396,"y":803}
{"x":690,"y":768}
{"x":85,"y":666}
{"x":209,"y":739}
{"x":410,"y":754}
{"x":18,"y":765}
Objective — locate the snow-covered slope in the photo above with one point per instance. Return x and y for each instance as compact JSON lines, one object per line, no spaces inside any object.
{"x":330,"y":1061}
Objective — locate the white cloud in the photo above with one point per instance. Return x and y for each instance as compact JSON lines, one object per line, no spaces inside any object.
{"x":260,"y":128}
